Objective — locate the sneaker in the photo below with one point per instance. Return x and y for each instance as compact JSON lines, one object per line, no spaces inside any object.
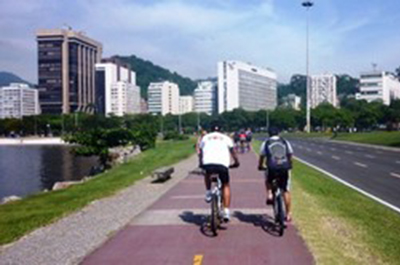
{"x":226,"y":215}
{"x":208,"y":197}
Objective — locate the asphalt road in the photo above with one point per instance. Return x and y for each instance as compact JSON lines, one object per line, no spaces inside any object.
{"x":371,"y":169}
{"x":173,"y":231}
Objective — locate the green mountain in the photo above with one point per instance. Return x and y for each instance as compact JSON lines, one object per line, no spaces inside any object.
{"x":6,"y":78}
{"x":147,"y":72}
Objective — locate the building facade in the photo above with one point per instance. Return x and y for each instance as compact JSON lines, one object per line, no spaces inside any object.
{"x":242,"y":85}
{"x":163,"y":98}
{"x":292,"y":101}
{"x":378,"y":86}
{"x":116,"y":89}
{"x":18,"y":100}
{"x":186,"y":104}
{"x":66,"y":70}
{"x":205,"y":97}
{"x":323,"y":89}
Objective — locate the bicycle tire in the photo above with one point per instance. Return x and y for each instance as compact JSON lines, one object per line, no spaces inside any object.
{"x":214,"y":222}
{"x":280,"y":215}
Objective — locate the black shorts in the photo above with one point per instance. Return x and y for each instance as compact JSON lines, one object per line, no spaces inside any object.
{"x":283,"y":177}
{"x":222,"y":171}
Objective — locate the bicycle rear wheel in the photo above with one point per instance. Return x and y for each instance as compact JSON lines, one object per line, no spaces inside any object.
{"x":280,"y":214}
{"x":214,"y":222}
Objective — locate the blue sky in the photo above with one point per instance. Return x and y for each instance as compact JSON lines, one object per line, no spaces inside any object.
{"x":191,"y":36}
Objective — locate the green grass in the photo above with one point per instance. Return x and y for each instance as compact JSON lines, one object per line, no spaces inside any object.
{"x":339,"y":225}
{"x":377,"y":138}
{"x":308,"y":135}
{"x":19,"y":218}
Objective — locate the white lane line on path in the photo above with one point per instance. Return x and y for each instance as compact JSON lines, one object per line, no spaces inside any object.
{"x":333,"y":149}
{"x":185,"y":197}
{"x":398,"y":162}
{"x":369,"y":195}
{"x":349,"y":152}
{"x":395,"y":175}
{"x":370,"y":156}
{"x":319,"y":152}
{"x":308,"y":149}
{"x":336,"y":157}
{"x":360,"y":164}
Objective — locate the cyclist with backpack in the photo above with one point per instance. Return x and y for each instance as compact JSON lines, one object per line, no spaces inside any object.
{"x":278,"y":155}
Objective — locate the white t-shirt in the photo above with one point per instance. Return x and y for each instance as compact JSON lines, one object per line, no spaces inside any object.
{"x":215,"y":147}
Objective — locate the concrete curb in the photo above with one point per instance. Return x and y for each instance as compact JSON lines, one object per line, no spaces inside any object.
{"x":70,"y":239}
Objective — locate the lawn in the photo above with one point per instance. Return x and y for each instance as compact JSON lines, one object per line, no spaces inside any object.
{"x":377,"y":138}
{"x":340,"y":225}
{"x":19,"y":218}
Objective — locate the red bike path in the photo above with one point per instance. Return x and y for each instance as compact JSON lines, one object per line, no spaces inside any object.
{"x":174,"y":230}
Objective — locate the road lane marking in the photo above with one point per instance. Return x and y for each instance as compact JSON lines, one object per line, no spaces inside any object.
{"x":198,"y":259}
{"x":336,"y":157}
{"x":319,"y":152}
{"x":333,"y":149}
{"x":369,"y":195}
{"x":308,"y":149}
{"x":370,"y":156}
{"x":395,"y":175}
{"x":349,"y":152}
{"x":398,"y":162}
{"x":360,"y":164}
{"x":184,"y":197}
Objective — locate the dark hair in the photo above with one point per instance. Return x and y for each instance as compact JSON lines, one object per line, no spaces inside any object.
{"x":215,"y":127}
{"x":273,"y":131}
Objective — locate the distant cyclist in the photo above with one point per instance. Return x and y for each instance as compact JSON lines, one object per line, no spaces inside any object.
{"x":216,"y":149}
{"x":243,"y":141}
{"x":278,"y":155}
{"x":249,"y":138}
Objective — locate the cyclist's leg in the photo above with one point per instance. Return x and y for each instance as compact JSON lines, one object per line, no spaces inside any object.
{"x":268,"y":186}
{"x":226,"y":189}
{"x":207,"y":182}
{"x":286,"y":195}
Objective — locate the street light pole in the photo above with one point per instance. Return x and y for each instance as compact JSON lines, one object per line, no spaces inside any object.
{"x":308,"y":5}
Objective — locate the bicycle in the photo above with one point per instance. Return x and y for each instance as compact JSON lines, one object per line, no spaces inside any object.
{"x":278,"y":205}
{"x":216,"y":218}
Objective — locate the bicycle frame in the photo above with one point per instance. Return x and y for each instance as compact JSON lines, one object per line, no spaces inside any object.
{"x":278,"y":206}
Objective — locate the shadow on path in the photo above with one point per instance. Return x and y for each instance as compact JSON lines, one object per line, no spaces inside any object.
{"x":264,"y":221}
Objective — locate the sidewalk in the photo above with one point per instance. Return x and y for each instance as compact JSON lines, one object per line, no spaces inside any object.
{"x":70,"y":239}
{"x":171,"y":230}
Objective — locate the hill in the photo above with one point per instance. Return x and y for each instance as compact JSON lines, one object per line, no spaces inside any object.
{"x":6,"y":78}
{"x":147,"y":72}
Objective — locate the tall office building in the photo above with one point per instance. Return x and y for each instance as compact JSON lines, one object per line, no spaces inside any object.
{"x":18,"y":100}
{"x":185,"y":104}
{"x":116,"y":89}
{"x":66,"y":70}
{"x":382,"y":86}
{"x":205,"y":97}
{"x":323,"y":89}
{"x":163,"y":98}
{"x":242,"y":85}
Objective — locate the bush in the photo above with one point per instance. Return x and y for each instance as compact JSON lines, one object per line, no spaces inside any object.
{"x":173,"y":135}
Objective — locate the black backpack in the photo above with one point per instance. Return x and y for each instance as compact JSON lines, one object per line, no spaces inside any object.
{"x":277,"y":152}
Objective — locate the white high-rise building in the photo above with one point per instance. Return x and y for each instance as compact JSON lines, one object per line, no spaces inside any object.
{"x":163,"y":98}
{"x":242,"y":85}
{"x":381,"y":86}
{"x":185,"y":104}
{"x":205,"y":97}
{"x":292,"y":101}
{"x":18,"y":100}
{"x":116,"y":89}
{"x":323,"y":89}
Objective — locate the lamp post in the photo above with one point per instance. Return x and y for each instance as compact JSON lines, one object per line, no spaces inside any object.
{"x":308,"y":5}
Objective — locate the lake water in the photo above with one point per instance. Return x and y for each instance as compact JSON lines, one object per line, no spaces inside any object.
{"x":26,"y":170}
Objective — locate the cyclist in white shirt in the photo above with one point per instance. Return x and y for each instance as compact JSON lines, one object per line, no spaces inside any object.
{"x":216,"y":149}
